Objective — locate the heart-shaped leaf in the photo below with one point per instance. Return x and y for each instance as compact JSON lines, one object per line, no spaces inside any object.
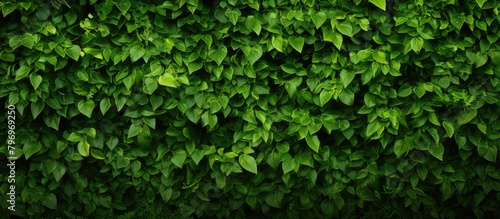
{"x":297,"y":43}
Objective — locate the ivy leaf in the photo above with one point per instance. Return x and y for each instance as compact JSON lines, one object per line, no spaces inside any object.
{"x":488,"y":152}
{"x":379,"y":3}
{"x":84,"y":148}
{"x":481,"y":59}
{"x":313,"y":142}
{"x":288,"y":165}
{"x":168,"y":80}
{"x":123,"y":6}
{"x":318,"y":19}
{"x":465,"y":117}
{"x":218,"y":55}
{"x":233,"y":15}
{"x":255,"y":54}
{"x":457,"y":20}
{"x":133,"y":131}
{"x":50,"y":201}
{"x":179,"y":158}
{"x":277,"y":42}
{"x":73,"y":52}
{"x":297,"y":43}
{"x":325,"y":96}
{"x":86,"y":107}
{"x":337,"y":40}
{"x":437,"y":150}
{"x":22,"y":72}
{"x":104,"y":105}
{"x":346,"y":77}
{"x":345,"y":28}
{"x":248,"y":163}
{"x":449,"y":128}
{"x":31,"y":148}
{"x":136,"y":52}
{"x":417,"y":43}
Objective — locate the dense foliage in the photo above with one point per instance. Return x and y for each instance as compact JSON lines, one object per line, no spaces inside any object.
{"x":245,"y":108}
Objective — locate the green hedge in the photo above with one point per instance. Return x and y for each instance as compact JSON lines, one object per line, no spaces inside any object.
{"x":234,"y":108}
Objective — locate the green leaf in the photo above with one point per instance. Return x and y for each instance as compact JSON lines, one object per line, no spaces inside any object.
{"x":337,"y":40}
{"x":104,"y":105}
{"x":133,"y":131}
{"x":400,"y":148}
{"x":437,"y":150}
{"x":345,"y":28}
{"x":59,"y":172}
{"x":97,"y":154}
{"x":372,"y":128}
{"x":86,"y":107}
{"x":75,"y":137}
{"x":481,"y":59}
{"x":325,"y":96}
{"x":22,"y":72}
{"x":255,"y":54}
{"x":219,"y":54}
{"x":168,"y":80}
{"x":449,"y":128}
{"x":313,"y":142}
{"x":277,"y":42}
{"x":481,"y":3}
{"x":123,"y":6}
{"x":465,"y":117}
{"x":84,"y":148}
{"x":457,"y":20}
{"x":417,"y":43}
{"x":31,"y":148}
{"x":36,"y":108}
{"x":274,"y":199}
{"x":346,"y":77}
{"x":136,"y":52}
{"x":347,"y":97}
{"x":288,"y":165}
{"x":50,"y":201}
{"x":380,"y":57}
{"x":73,"y":52}
{"x":318,"y":19}
{"x":28,"y":40}
{"x":297,"y":43}
{"x":248,"y":163}
{"x":179,"y":158}
{"x":233,"y":15}
{"x":488,"y":152}
{"x":379,"y":3}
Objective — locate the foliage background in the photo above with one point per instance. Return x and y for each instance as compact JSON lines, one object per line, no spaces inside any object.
{"x":296,"y":108}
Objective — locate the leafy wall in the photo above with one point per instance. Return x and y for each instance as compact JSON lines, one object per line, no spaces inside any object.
{"x":283,"y":108}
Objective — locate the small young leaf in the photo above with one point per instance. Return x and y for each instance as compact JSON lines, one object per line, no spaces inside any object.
{"x":84,"y":148}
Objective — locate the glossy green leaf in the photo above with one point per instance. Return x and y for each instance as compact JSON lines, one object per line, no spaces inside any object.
{"x":436,"y":150}
{"x":297,"y":43}
{"x":86,"y":107}
{"x":84,"y":148}
{"x":313,"y":142}
{"x":248,"y":163}
{"x":219,"y":54}
{"x":379,"y":3}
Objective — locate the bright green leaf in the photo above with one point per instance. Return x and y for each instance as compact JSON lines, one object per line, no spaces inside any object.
{"x":248,"y":163}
